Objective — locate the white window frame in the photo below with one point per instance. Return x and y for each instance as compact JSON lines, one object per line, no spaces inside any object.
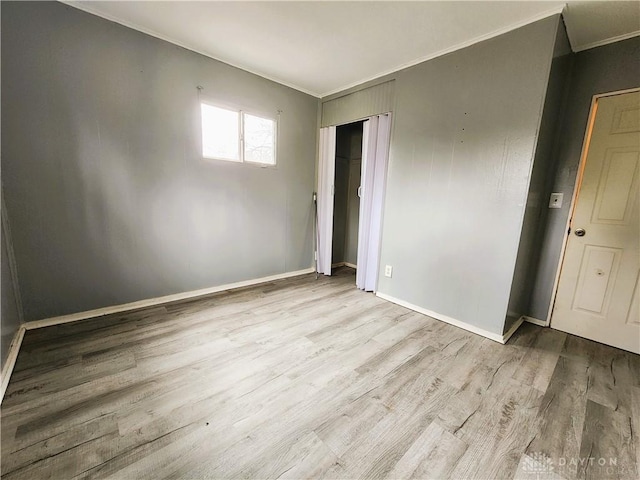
{"x":241,"y":140}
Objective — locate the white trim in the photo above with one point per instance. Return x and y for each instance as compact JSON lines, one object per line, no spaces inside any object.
{"x":535,"y":321}
{"x":452,"y":321}
{"x":343,"y":264}
{"x":10,"y":362}
{"x":606,"y":41}
{"x":616,"y":92}
{"x":47,"y":322}
{"x":507,"y":335}
{"x":13,"y":268}
{"x":85,"y":7}
{"x":446,"y":51}
{"x":583,"y":159}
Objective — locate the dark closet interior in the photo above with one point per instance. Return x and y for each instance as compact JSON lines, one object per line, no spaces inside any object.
{"x":346,"y":207}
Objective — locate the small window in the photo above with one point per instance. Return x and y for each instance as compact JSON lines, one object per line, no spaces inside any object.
{"x":220,"y":133}
{"x":259,"y":139}
{"x":237,"y":136}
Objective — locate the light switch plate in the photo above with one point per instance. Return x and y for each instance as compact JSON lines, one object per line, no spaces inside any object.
{"x":555,"y":201}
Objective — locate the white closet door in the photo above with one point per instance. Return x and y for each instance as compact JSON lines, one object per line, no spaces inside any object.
{"x":326,"y":175}
{"x":375,"y":157}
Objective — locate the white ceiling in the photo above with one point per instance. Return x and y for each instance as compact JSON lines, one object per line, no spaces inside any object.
{"x":324,"y":47}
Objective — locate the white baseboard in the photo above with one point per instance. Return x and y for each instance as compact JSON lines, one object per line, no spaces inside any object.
{"x":452,"y":321}
{"x":10,"y":362}
{"x":99,"y":312}
{"x":13,"y":269}
{"x":512,"y":330}
{"x":343,"y":264}
{"x":535,"y":321}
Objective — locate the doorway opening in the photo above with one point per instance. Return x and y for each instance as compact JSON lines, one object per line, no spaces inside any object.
{"x":374,"y":155}
{"x":346,"y":199}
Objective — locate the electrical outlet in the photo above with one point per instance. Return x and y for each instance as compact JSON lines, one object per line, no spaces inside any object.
{"x":388,"y":270}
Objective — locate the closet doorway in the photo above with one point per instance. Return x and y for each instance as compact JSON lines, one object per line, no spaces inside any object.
{"x":338,"y":184}
{"x":346,"y":201}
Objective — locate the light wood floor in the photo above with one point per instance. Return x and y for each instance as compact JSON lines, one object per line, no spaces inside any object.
{"x":314,"y":379}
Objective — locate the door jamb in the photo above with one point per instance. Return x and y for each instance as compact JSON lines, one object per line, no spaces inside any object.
{"x":583,"y":160}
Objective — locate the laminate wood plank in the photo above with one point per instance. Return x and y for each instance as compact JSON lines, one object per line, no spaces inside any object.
{"x":465,"y":363}
{"x":130,"y":459}
{"x":538,"y":364}
{"x":217,"y":412}
{"x":410,"y":412}
{"x":406,"y":393}
{"x":45,"y":427}
{"x":306,"y":378}
{"x":525,"y":336}
{"x":77,"y":334}
{"x":634,"y":395}
{"x":64,"y":465}
{"x":605,"y":388}
{"x":407,"y":325}
{"x":482,"y":370}
{"x":498,"y":432}
{"x":91,"y":430}
{"x":561,"y":415}
{"x":232,"y":449}
{"x":349,"y":320}
{"x":585,"y":351}
{"x":433,"y":455}
{"x":608,"y":449}
{"x":76,"y":373}
{"x":350,"y":424}
{"x":306,"y":457}
{"x":396,"y":354}
{"x":95,"y":326}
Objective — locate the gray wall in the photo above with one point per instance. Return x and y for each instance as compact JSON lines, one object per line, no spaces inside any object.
{"x":465,"y":129}
{"x":9,"y":311}
{"x":111,"y":201}
{"x":9,"y":314}
{"x":599,"y":70}
{"x":541,"y":177}
{"x":353,"y":201}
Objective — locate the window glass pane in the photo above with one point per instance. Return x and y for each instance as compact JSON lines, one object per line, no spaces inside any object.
{"x":259,"y":140}
{"x":220,"y":135}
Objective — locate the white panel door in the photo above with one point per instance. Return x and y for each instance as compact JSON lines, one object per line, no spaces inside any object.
{"x":598,"y":289}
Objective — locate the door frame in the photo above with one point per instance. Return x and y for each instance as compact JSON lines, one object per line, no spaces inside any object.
{"x":384,"y":191}
{"x":318,"y":184}
{"x":586,"y":141}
